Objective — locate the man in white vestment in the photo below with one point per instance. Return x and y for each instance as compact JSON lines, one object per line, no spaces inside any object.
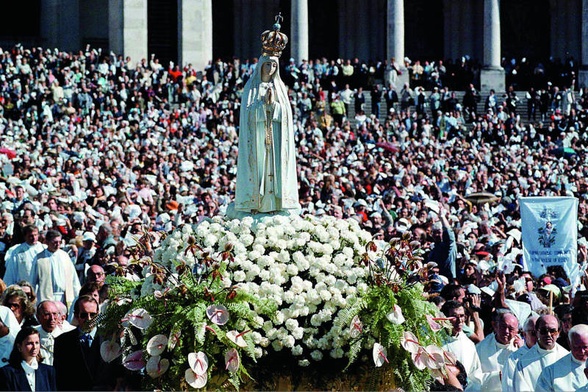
{"x":461,"y":346}
{"x":530,"y":340}
{"x":19,"y":258}
{"x":495,"y":349}
{"x":48,"y":316}
{"x":567,"y":374}
{"x":543,"y":354}
{"x":54,"y":272}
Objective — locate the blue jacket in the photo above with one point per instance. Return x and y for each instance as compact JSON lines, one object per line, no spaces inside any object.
{"x":15,"y":379}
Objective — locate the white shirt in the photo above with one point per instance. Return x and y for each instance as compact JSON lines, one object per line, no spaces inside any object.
{"x":509,"y":368}
{"x":60,"y":263}
{"x":19,"y":262}
{"x":493,"y":356}
{"x":465,"y":352}
{"x":567,"y":374}
{"x":30,"y":372}
{"x":531,"y":364}
{"x":47,"y":340}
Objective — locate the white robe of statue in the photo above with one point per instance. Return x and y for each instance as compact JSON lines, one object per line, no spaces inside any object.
{"x":266,"y":165}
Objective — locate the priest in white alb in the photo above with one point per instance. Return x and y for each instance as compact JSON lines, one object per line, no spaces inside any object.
{"x":543,"y":354}
{"x":567,"y":374}
{"x":530,"y":338}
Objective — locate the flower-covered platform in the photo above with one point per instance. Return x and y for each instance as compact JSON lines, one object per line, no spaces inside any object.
{"x":278,"y":303}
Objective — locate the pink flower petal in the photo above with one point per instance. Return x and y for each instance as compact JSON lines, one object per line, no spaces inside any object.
{"x":156,"y":345}
{"x":174,"y":337}
{"x":435,"y":326}
{"x":134,"y":361}
{"x":379,"y":354}
{"x":195,"y":380}
{"x":410,"y":342}
{"x":237,"y":338}
{"x":232,"y":360}
{"x":356,"y":327}
{"x":218,"y":314}
{"x":198,"y":362}
{"x":140,"y":318}
{"x":396,"y":316}
{"x":434,"y":358}
{"x":156,"y":366}
{"x":419,"y":358}
{"x":110,"y":350}
{"x":450,"y":358}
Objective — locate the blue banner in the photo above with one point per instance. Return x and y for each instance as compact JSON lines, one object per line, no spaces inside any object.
{"x":550,"y":233}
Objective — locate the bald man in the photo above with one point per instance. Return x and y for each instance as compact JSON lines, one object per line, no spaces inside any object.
{"x":495,"y":349}
{"x":567,"y":374}
{"x":530,"y":340}
{"x":543,"y":354}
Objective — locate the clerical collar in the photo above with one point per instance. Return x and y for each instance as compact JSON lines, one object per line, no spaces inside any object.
{"x":578,"y":361}
{"x":544,"y":351}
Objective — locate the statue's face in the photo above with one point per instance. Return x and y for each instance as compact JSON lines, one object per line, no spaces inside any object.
{"x":268,"y":69}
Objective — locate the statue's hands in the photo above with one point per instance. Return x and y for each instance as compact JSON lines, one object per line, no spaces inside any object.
{"x":269,"y":98}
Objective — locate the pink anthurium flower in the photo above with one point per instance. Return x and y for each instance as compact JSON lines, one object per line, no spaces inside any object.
{"x":196,"y":380}
{"x":450,"y":358}
{"x":198,"y":362}
{"x":140,"y":318}
{"x":379,"y":354}
{"x":356,"y":327}
{"x":156,"y":366}
{"x":434,"y":358}
{"x":419,"y":358}
{"x":232,"y":360}
{"x":396,"y":316}
{"x":156,"y":345}
{"x":410,"y":342}
{"x":110,"y":350}
{"x":435,"y":326}
{"x":218,"y":314}
{"x":237,"y":338}
{"x":174,"y":336}
{"x":134,"y":361}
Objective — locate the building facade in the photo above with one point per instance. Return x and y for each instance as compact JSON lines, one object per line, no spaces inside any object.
{"x":197,"y":31}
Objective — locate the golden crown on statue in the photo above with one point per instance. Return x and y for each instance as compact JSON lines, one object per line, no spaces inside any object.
{"x":273,"y":41}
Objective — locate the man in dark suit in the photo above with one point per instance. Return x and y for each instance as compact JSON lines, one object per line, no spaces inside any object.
{"x":77,"y":360}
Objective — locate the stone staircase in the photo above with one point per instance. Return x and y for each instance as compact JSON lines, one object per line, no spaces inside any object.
{"x":521,"y":107}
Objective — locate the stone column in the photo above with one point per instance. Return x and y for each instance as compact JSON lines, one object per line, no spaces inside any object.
{"x":395,"y":43}
{"x":195,"y":32}
{"x":492,"y":74}
{"x":299,"y":30}
{"x":583,"y":72}
{"x":60,"y":24}
{"x":127,"y":28}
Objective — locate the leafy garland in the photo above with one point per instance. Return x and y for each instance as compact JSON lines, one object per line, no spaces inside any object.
{"x":196,"y":319}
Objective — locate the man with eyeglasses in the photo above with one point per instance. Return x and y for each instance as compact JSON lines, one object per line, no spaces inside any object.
{"x":48,"y":316}
{"x":567,"y":374}
{"x":54,"y":272}
{"x":78,"y":364}
{"x":495,"y":349}
{"x":530,"y":338}
{"x":543,"y":354}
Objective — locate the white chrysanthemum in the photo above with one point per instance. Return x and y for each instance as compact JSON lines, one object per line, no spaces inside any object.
{"x":316,"y":355}
{"x":304,"y":363}
{"x":297,"y":350}
{"x":239,"y":276}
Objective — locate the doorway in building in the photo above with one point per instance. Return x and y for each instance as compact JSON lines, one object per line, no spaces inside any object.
{"x":162,"y":34}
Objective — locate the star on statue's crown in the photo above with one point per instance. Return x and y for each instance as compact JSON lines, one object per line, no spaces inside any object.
{"x":273,"y":41}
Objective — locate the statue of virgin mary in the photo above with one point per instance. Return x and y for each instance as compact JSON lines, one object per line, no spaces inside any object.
{"x":266,"y":166}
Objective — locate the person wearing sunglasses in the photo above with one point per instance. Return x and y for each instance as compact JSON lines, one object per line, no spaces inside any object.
{"x":24,"y":311}
{"x":567,"y":374}
{"x":543,"y":354}
{"x":77,"y":360}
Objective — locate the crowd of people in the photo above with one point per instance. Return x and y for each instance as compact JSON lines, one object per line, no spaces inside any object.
{"x":99,"y":150}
